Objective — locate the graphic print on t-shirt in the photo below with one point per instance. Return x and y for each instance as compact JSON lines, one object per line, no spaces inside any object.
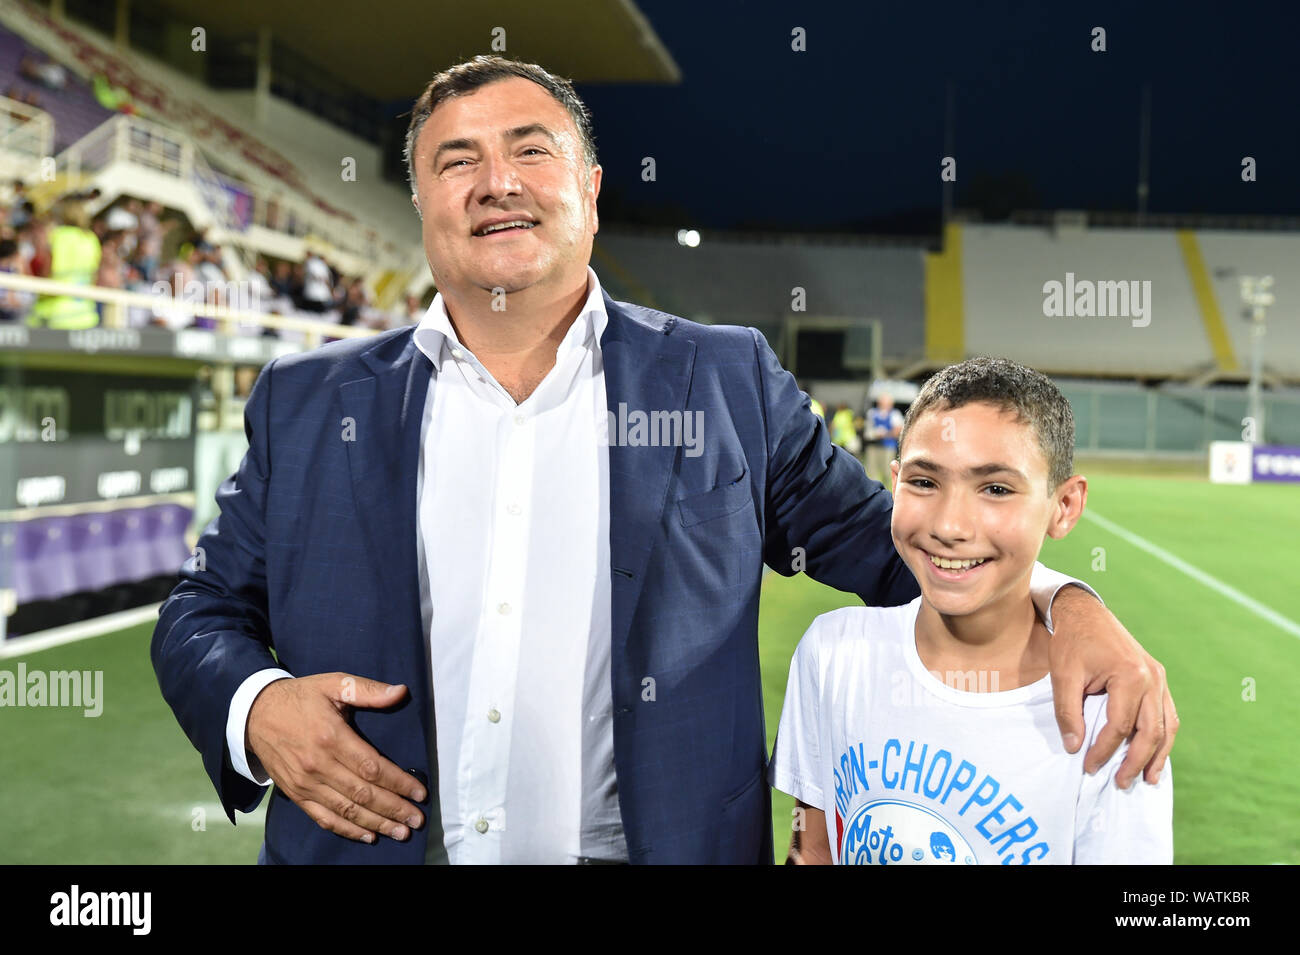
{"x":874,"y":826}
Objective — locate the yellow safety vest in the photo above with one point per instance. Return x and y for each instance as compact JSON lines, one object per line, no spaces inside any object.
{"x":74,"y":258}
{"x":817,"y":408}
{"x":842,"y":428}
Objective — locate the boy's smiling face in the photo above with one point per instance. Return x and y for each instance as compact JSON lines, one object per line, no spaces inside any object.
{"x":970,"y":491}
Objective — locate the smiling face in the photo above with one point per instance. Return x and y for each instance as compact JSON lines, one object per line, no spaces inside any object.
{"x":506,"y":158}
{"x":971,"y":506}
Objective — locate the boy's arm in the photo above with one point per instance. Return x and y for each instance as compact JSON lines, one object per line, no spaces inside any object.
{"x":796,"y":756}
{"x":810,"y":845}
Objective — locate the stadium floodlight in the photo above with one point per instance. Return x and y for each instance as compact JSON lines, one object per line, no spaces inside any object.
{"x":1256,"y":292}
{"x":688,"y":237}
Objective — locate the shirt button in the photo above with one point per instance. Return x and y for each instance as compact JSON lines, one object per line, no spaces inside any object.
{"x":494,"y":715}
{"x":457,"y":353}
{"x":503,"y":608}
{"x":481,"y":826}
{"x":521,"y":420}
{"x":514,"y":509}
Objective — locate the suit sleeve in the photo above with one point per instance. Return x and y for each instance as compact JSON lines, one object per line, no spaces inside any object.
{"x":213,"y":630}
{"x":823,"y":515}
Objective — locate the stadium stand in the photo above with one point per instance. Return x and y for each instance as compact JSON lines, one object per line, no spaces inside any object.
{"x":748,"y":280}
{"x":68,"y":99}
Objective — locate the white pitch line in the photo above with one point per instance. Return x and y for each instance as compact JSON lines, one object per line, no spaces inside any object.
{"x":82,"y":630}
{"x":1200,"y":576}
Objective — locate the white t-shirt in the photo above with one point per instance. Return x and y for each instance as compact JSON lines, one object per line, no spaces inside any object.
{"x":910,"y":770}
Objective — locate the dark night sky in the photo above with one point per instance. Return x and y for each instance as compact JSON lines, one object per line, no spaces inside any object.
{"x":851,"y":131}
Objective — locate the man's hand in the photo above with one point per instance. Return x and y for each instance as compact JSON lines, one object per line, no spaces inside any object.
{"x":296,"y":729}
{"x":1091,"y":652}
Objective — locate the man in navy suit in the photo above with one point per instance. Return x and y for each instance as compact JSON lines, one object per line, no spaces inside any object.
{"x":509,"y":561}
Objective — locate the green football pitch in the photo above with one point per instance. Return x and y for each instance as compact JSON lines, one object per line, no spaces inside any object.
{"x":1182,"y":563}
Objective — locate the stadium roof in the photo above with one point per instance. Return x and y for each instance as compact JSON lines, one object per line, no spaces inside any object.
{"x":391,"y":49}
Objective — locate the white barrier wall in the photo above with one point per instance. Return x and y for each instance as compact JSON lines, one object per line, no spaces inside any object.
{"x":1005,"y":269}
{"x":750,"y":283}
{"x":1255,"y":253}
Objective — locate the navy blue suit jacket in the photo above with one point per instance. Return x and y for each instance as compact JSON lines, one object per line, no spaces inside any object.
{"x":313,"y":554}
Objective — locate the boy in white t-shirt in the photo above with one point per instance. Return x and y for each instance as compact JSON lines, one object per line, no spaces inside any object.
{"x":926,"y":734}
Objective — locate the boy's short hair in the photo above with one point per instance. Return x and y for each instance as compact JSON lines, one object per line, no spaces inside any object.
{"x":1011,"y":387}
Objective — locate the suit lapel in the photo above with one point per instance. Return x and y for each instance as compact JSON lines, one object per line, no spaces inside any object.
{"x":387,"y":408}
{"x":646,"y":369}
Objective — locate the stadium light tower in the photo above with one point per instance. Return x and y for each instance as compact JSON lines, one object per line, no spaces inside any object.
{"x":1256,"y":292}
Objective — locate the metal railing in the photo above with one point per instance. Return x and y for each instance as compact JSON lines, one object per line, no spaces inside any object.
{"x":118,"y":301}
{"x":1129,"y":418}
{"x":161,"y":149}
{"x":26,"y":132}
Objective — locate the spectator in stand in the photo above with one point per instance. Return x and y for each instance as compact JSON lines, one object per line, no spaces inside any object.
{"x":138,"y":316}
{"x":212,"y":272}
{"x":317,"y":285}
{"x":41,"y":70}
{"x":175,"y":275}
{"x":12,"y":303}
{"x":282,"y":280}
{"x":112,"y":265}
{"x":74,"y":259}
{"x":354,"y":301}
{"x":299,"y":279}
{"x":414,"y":311}
{"x":260,"y":287}
{"x":199,"y":268}
{"x":152,"y":231}
{"x":21,"y":209}
{"x":38,"y":262}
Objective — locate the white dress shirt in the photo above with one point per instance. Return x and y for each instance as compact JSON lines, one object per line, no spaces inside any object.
{"x":513,"y":542}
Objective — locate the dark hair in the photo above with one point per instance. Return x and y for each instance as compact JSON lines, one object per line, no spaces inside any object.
{"x":1011,"y":387}
{"x":467,"y":77}
{"x":7,"y":248}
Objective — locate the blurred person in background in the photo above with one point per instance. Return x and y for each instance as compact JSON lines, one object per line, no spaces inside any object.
{"x":282,"y":280}
{"x":884,"y":423}
{"x":138,"y":316}
{"x":112,"y":264}
{"x":175,"y":275}
{"x":121,"y":218}
{"x":74,"y":259}
{"x":354,"y":301}
{"x":21,"y":209}
{"x":12,"y":303}
{"x":37,"y":68}
{"x":35,"y":246}
{"x":843,"y":432}
{"x":414,"y":310}
{"x":152,"y":231}
{"x":817,"y":408}
{"x":317,"y":285}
